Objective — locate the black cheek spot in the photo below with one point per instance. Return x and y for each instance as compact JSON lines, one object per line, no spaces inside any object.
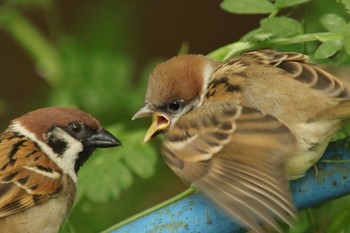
{"x":58,"y":146}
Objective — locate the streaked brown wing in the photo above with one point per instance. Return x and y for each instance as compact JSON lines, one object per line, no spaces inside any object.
{"x":332,"y":82}
{"x":297,"y":67}
{"x":235,"y":156}
{"x":27,"y":176}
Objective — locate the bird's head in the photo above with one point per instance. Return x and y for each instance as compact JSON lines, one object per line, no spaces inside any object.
{"x":67,"y":135}
{"x":175,"y":87}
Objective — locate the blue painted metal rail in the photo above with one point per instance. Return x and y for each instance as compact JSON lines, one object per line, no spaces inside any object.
{"x":196,"y":214}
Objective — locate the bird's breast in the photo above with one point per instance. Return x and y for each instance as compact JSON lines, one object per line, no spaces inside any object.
{"x":46,"y":217}
{"x":312,"y":141}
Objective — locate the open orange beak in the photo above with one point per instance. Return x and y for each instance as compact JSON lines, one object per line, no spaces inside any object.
{"x":159,"y":123}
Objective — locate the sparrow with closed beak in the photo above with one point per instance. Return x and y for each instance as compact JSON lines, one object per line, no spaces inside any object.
{"x":240,"y":129}
{"x":40,"y":155}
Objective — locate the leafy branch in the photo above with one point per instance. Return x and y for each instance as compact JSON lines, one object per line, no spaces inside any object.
{"x":235,"y":48}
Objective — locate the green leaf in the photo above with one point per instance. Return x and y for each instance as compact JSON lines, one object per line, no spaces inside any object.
{"x":347,"y":40}
{"x":288,"y":3}
{"x":138,"y":156}
{"x":248,"y":6}
{"x":103,"y":177}
{"x":103,"y":191}
{"x":344,"y":132}
{"x":281,"y":26}
{"x":340,"y":222}
{"x":347,"y":4}
{"x":257,"y":35}
{"x":328,"y":49}
{"x":333,"y":23}
{"x":141,"y":160}
{"x":300,"y":224}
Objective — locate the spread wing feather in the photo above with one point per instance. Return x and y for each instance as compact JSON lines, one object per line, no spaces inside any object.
{"x":242,"y":168}
{"x":297,"y":66}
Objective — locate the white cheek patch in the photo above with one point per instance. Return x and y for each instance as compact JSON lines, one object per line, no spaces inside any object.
{"x":64,"y":161}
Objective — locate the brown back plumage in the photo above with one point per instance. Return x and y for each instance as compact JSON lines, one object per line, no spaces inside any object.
{"x":27,"y":176}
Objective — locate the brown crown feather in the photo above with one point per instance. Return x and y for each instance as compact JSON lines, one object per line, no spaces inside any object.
{"x":40,"y":120}
{"x":179,"y":78}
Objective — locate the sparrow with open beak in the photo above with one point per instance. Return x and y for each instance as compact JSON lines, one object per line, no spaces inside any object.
{"x":240,"y":129}
{"x":40,"y":155}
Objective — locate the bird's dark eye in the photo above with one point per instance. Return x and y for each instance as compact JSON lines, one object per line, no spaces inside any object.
{"x":175,"y":106}
{"x":75,"y":127}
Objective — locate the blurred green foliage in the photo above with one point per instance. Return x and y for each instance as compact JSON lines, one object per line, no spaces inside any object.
{"x":93,"y":69}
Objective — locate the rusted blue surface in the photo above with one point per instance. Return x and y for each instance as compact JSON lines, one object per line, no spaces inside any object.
{"x":332,"y":180}
{"x":196,"y":214}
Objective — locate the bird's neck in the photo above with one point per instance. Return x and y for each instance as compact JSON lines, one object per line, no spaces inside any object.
{"x":207,"y":73}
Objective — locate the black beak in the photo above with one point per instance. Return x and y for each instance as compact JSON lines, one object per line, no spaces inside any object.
{"x":103,"y":139}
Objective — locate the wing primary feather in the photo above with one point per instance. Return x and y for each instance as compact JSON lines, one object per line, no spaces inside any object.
{"x":237,"y":194}
{"x":242,"y":210}
{"x":260,"y":193}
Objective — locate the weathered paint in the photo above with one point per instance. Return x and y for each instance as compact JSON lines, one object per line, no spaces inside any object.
{"x":197,"y":215}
